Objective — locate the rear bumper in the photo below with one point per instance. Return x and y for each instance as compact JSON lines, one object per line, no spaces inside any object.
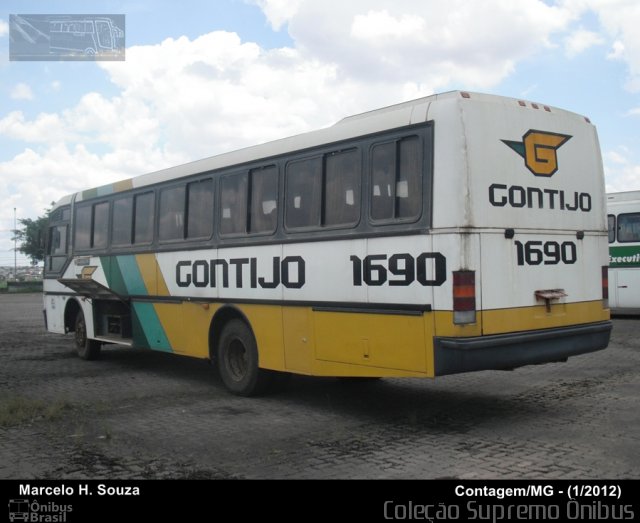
{"x":508,"y":351}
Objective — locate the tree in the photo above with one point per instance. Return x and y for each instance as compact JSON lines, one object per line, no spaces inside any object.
{"x":31,"y":236}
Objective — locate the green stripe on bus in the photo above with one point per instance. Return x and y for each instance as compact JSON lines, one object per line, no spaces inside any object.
{"x":89,"y":193}
{"x":628,"y":256}
{"x":132,"y":276}
{"x":150,"y":325}
{"x":112,"y":273}
{"x":124,"y":278}
{"x":105,"y":190}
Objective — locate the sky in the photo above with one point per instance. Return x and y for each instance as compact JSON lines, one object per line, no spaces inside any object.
{"x":204,"y":77}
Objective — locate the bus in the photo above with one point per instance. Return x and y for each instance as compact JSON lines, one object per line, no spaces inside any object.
{"x":623,"y":210}
{"x":19,"y":510}
{"x":453,"y":233}
{"x":90,"y":36}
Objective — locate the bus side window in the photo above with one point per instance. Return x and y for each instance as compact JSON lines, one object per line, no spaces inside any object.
{"x":233,"y":204}
{"x":409,"y":179}
{"x":303,"y":193}
{"x":342,"y":188}
{"x":200,"y":209}
{"x":263,"y":217}
{"x":396,"y":180}
{"x":92,"y":226}
{"x":171,"y":216}
{"x":143,"y":218}
{"x":82,"y":234}
{"x":122,"y":221}
{"x":629,"y":227}
{"x":383,"y":182}
{"x":100,"y":225}
{"x":57,"y":248}
{"x":58,"y":240}
{"x":611,"y":219}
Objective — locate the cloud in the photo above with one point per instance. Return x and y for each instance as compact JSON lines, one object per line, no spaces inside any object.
{"x":617,"y":51}
{"x":581,"y":40}
{"x":46,"y":127}
{"x":432,"y":44}
{"x":278,"y":12}
{"x":616,"y":157}
{"x":215,"y":93}
{"x":378,"y":27}
{"x":622,"y":170}
{"x":620,"y":20}
{"x":623,"y":179}
{"x":4,"y":28}
{"x":21,"y":91}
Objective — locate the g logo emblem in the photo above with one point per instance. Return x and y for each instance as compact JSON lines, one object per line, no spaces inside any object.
{"x":538,"y":148}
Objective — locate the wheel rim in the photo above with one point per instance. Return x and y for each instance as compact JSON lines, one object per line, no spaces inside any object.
{"x":237,"y":360}
{"x":81,"y":334}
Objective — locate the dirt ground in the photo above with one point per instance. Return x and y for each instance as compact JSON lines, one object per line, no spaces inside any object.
{"x":142,"y":414}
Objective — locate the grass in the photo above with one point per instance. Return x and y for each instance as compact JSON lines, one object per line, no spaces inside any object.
{"x":16,"y":410}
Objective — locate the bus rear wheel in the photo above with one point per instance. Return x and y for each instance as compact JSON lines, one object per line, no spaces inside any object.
{"x":237,"y":360}
{"x":87,"y":349}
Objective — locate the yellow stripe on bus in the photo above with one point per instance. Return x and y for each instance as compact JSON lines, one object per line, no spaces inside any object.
{"x":538,"y":317}
{"x":355,"y":344}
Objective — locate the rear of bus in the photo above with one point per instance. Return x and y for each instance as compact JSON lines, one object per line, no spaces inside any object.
{"x":519,"y":211}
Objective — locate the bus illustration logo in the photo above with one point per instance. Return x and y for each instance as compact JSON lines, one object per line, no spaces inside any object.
{"x":538,"y":148}
{"x":18,"y":510}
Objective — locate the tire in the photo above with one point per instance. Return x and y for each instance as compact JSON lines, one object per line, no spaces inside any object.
{"x":237,"y":358}
{"x":87,"y":349}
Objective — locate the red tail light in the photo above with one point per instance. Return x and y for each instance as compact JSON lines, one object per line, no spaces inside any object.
{"x":605,"y":286}
{"x":464,"y":297}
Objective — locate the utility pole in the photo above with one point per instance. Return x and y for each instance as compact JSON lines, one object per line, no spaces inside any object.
{"x":15,"y":246}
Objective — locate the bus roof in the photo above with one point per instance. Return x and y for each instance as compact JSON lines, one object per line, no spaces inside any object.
{"x":370,"y":122}
{"x":626,"y":196}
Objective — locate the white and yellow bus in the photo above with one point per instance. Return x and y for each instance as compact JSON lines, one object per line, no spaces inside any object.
{"x":623,"y":210}
{"x":453,"y":233}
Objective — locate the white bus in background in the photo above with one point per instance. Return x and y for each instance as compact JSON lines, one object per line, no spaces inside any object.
{"x":453,"y":233}
{"x":623,"y":213}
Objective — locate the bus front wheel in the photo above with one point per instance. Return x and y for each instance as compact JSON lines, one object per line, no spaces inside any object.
{"x":87,"y":349}
{"x":238,"y":360}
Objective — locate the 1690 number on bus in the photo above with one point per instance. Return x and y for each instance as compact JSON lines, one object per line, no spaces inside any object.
{"x":428,"y":269}
{"x":547,"y":253}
